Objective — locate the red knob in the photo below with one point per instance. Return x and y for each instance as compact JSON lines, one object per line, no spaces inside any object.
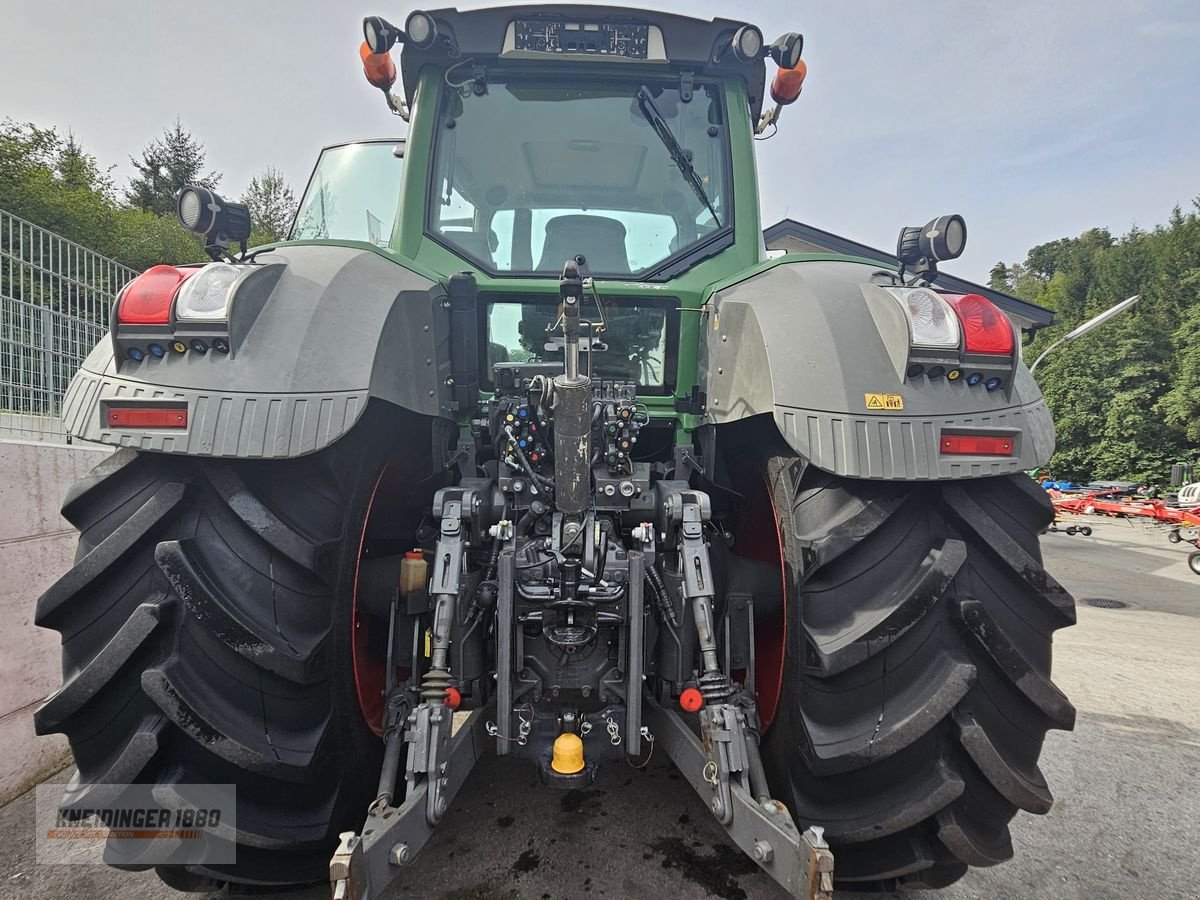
{"x":691,"y":700}
{"x":453,"y":697}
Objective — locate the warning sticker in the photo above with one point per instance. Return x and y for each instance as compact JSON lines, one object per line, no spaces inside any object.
{"x":884,"y":401}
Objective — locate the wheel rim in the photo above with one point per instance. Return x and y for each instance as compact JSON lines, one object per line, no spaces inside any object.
{"x":369,"y":670}
{"x":368,"y":645}
{"x":1194,"y":562}
{"x":759,"y":537}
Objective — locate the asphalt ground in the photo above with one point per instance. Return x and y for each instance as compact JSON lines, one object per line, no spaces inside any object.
{"x":1125,"y":824}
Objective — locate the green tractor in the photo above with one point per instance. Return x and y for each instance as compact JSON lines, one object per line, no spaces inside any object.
{"x":523,"y":444}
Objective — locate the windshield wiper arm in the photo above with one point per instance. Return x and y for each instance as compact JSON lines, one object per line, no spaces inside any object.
{"x":678,"y":154}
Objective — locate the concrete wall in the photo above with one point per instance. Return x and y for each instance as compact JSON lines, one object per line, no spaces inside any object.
{"x":36,"y":546}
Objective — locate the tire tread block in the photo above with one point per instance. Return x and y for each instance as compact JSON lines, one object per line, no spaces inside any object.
{"x":1031,"y":794}
{"x":938,"y":876}
{"x":228,"y":620}
{"x":90,"y":496}
{"x":846,"y":525}
{"x":203,"y":723}
{"x":57,"y":597}
{"x":891,"y":858}
{"x":124,"y":766}
{"x":971,"y":844}
{"x":1056,"y":598}
{"x":906,"y":605}
{"x":299,"y":818}
{"x":260,"y":519}
{"x":889,"y":813}
{"x":902,"y":719}
{"x":1036,"y":688}
{"x":75,"y":694}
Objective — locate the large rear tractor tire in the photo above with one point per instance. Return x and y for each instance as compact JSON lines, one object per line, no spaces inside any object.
{"x":207,"y":638}
{"x":916,"y":686}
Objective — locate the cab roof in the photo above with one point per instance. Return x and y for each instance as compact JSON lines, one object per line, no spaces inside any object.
{"x":486,"y":36}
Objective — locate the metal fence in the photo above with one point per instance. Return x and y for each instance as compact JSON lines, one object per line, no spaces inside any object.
{"x":55,"y":301}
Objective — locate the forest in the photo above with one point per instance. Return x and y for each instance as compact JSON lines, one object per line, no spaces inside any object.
{"x":1126,"y":396}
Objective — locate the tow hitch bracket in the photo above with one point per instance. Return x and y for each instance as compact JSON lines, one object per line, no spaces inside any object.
{"x":801,"y":863}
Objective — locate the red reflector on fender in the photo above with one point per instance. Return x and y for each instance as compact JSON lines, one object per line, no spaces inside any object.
{"x":143,"y":417}
{"x":977,"y":445}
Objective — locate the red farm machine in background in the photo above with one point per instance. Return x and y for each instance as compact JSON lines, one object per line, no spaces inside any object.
{"x":1178,"y":520}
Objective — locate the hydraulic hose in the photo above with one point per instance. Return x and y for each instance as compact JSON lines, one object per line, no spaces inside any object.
{"x":662,"y":600}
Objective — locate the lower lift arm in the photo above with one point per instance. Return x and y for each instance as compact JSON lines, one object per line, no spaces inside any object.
{"x":437,"y":759}
{"x":723,"y":764}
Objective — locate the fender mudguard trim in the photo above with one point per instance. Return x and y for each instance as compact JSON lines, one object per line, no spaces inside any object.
{"x":902,"y":449}
{"x":242,"y":425}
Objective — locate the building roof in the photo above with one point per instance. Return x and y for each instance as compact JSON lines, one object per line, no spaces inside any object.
{"x":1030,"y":315}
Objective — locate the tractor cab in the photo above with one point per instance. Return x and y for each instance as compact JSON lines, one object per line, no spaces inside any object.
{"x":616,"y":138}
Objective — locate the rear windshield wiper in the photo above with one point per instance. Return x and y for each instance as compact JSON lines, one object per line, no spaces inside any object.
{"x":678,"y":154}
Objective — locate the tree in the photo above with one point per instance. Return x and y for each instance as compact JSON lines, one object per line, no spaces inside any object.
{"x":78,"y":169}
{"x":166,"y":166}
{"x":998,"y":277}
{"x":56,"y":184}
{"x":1126,"y":397}
{"x":272,"y":206}
{"x":1181,"y":406}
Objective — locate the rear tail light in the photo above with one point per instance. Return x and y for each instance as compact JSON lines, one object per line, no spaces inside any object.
{"x":146,"y":417}
{"x":932,"y":323}
{"x":147,"y":299}
{"x":976,"y":445}
{"x":986,"y":328}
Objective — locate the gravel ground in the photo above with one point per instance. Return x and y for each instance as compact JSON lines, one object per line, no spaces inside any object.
{"x":1124,"y":824}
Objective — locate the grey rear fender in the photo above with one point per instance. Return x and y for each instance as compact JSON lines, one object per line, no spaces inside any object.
{"x":810,"y":342}
{"x":314,"y":331}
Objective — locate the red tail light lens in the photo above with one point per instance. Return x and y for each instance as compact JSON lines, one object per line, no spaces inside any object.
{"x":986,"y":328}
{"x":976,"y":445}
{"x":147,"y":299}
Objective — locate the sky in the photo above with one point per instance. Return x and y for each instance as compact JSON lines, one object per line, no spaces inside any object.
{"x":1034,"y":120}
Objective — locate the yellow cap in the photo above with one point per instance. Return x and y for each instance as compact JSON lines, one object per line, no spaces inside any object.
{"x":568,"y":754}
